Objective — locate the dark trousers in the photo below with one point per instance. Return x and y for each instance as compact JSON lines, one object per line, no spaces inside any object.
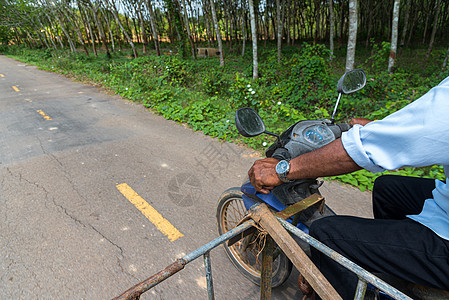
{"x":389,"y":244}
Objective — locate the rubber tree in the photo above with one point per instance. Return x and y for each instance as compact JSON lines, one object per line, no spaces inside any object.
{"x":394,"y":35}
{"x":189,"y":32}
{"x":279,"y":27}
{"x":331,"y":28}
{"x":94,"y":10}
{"x":352,"y":36}
{"x":117,"y":19}
{"x":404,"y":28}
{"x":445,"y":60}
{"x":56,"y":11}
{"x":243,"y":18}
{"x":153,"y":27}
{"x":434,"y":29}
{"x":217,"y":32}
{"x":70,"y":15}
{"x":252,"y":16}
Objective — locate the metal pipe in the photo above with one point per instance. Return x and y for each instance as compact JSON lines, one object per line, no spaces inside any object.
{"x":361,"y":289}
{"x":218,"y":241}
{"x":335,"y":108}
{"x":150,"y":282}
{"x":382,"y":285}
{"x":142,"y":287}
{"x":210,"y":283}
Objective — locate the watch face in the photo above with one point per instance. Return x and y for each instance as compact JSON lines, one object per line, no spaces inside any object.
{"x":282,"y":167}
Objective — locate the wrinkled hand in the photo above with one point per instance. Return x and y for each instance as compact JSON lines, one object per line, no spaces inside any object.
{"x":360,"y":121}
{"x":263,"y":175}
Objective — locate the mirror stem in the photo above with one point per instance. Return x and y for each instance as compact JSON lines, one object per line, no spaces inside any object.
{"x":273,"y":134}
{"x":335,"y":109}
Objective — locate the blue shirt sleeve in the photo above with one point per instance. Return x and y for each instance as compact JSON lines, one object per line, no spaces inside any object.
{"x":417,"y":135}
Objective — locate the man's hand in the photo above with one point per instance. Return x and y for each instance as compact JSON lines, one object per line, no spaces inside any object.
{"x":263,"y":175}
{"x":360,"y":121}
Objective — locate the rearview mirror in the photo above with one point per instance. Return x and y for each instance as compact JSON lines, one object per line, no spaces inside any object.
{"x":351,"y":81}
{"x":248,"y":122}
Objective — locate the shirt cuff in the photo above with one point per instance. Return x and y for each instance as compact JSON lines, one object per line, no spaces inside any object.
{"x":352,"y":142}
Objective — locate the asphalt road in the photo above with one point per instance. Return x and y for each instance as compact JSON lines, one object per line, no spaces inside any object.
{"x":70,"y":152}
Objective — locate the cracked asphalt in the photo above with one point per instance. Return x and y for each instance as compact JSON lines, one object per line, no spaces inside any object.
{"x":66,"y":232}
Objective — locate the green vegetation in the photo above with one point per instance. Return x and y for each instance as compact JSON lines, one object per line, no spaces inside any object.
{"x":302,"y":86}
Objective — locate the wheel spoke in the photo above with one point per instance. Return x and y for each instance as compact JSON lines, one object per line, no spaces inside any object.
{"x":249,"y":258}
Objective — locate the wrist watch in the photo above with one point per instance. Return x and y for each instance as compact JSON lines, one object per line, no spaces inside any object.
{"x":282,"y":169}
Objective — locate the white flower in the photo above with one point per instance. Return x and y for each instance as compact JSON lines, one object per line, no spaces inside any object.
{"x":279,"y":103}
{"x":248,"y":86}
{"x":250,"y":89}
{"x":126,"y":88}
{"x":253,"y":92}
{"x":227,"y":121}
{"x":264,"y":144}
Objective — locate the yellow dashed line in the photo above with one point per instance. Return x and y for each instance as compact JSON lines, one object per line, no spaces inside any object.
{"x":1,"y":75}
{"x":15,"y":88}
{"x":149,"y":212}
{"x":46,"y":117}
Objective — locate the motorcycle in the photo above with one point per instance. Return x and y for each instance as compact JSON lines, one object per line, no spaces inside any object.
{"x":298,"y":139}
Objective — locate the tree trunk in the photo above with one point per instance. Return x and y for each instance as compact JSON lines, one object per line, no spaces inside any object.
{"x":56,"y":33}
{"x":426,"y":25}
{"x":195,"y":38}
{"x":217,"y":32}
{"x":394,"y":35}
{"x":352,"y":38}
{"x":47,"y":35}
{"x":254,"y":37}
{"x":243,"y":28}
{"x":370,"y":23}
{"x":142,"y":28}
{"x":92,"y":37}
{"x":109,"y":28}
{"x":207,"y":23}
{"x":99,"y":26}
{"x":294,"y":23}
{"x":412,"y":27}
{"x":77,"y":30}
{"x":342,"y":22}
{"x":434,"y":29}
{"x":445,"y":60}
{"x":189,"y":32}
{"x":279,"y":28}
{"x":117,"y":19}
{"x":317,"y":21}
{"x":331,"y":28}
{"x":404,"y":29}
{"x":153,"y":27}
{"x":43,"y":39}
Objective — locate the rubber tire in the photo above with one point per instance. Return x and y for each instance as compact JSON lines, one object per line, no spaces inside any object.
{"x":279,"y":276}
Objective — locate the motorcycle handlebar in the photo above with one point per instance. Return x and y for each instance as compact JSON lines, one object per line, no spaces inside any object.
{"x":344,"y":126}
{"x":281,"y":154}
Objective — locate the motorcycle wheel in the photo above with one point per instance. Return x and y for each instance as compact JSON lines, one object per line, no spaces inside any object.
{"x":230,"y":211}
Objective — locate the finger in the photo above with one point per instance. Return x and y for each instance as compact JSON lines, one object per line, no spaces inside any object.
{"x":265,"y":189}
